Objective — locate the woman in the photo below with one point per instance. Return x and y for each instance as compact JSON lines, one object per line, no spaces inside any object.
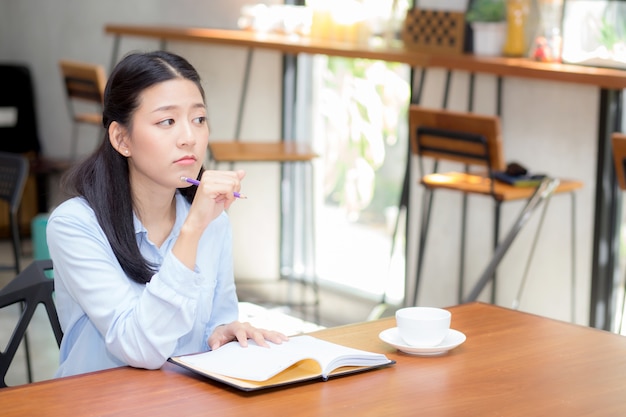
{"x":142,"y":260}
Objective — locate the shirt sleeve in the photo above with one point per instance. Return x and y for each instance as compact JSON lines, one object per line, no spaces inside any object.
{"x":225,"y":302}
{"x":141,"y":324}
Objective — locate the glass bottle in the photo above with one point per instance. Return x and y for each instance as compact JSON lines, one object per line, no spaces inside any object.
{"x":517,"y":14}
{"x":548,"y":42}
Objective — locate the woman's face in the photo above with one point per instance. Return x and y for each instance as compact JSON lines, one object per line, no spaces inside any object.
{"x":169,"y":135}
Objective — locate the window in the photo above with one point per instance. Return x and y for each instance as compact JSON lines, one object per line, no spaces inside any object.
{"x":359,"y":128}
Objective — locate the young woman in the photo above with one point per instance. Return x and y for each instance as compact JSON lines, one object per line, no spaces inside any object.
{"x":142,"y":260}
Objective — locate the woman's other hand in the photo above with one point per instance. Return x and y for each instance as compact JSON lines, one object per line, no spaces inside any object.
{"x":242,"y":332}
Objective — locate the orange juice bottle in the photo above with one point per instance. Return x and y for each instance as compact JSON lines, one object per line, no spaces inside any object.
{"x":517,"y":14}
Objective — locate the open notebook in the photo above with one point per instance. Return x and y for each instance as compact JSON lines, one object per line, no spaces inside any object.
{"x":302,"y":358}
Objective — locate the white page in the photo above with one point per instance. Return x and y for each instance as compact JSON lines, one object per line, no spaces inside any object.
{"x":256,"y":363}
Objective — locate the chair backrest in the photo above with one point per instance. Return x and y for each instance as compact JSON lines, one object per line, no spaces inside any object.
{"x":30,"y":288}
{"x":13,"y":175}
{"x":83,"y":81}
{"x":14,"y":170}
{"x":18,"y":121}
{"x":619,"y":157}
{"x":467,"y":138}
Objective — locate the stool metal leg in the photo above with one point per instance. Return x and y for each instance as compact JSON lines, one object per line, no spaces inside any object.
{"x":530,"y":256}
{"x":74,"y":149}
{"x":573,"y":260}
{"x":573,"y":257}
{"x":244,"y":93}
{"x":621,"y":316}
{"x":544,"y":190}
{"x":461,"y":288}
{"x":427,"y":203}
{"x":496,"y":238}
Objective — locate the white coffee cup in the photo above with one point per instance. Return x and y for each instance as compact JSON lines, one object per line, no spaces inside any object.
{"x":423,"y":326}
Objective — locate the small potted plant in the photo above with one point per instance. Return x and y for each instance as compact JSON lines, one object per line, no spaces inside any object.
{"x":488,"y":21}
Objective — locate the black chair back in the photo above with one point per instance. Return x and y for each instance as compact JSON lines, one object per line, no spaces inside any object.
{"x":18,"y":130}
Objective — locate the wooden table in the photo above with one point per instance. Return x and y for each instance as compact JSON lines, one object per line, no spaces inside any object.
{"x":512,"y":364}
{"x":610,"y":82}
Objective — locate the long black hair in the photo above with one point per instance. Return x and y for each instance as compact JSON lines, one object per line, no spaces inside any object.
{"x":103,"y":178}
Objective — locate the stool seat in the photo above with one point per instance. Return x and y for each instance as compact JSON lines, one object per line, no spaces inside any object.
{"x":481,"y":184}
{"x":231,"y":151}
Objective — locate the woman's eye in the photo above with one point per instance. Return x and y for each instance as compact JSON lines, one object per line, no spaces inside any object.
{"x":166,"y":122}
{"x":200,"y":120}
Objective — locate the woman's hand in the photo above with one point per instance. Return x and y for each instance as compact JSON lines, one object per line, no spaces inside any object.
{"x":242,"y":332}
{"x":214,"y":195}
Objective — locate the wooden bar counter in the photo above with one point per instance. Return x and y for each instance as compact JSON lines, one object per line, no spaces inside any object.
{"x":506,"y":67}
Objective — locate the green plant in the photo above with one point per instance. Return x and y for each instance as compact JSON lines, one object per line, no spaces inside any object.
{"x":486,"y":11}
{"x":610,"y":35}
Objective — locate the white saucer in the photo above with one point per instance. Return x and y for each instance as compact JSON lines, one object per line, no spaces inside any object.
{"x":452,"y":340}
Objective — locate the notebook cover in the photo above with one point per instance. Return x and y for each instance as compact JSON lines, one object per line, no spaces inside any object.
{"x":304,"y":371}
{"x":519,"y":180}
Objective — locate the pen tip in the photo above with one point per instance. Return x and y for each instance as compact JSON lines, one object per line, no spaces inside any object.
{"x":183,"y":179}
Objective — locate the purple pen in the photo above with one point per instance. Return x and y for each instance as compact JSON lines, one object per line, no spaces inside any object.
{"x":196,"y":183}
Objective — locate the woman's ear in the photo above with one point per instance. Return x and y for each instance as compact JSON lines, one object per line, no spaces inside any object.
{"x":117,"y":137}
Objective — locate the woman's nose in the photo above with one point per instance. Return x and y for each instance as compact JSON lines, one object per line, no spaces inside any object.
{"x":187,"y":135}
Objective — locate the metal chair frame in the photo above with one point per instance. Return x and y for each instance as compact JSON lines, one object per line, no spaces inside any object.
{"x":29,"y":288}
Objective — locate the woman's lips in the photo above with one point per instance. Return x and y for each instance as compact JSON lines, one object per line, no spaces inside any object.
{"x":187,"y":160}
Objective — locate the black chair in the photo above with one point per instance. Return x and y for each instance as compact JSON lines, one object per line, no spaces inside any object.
{"x":30,"y":288}
{"x":13,"y":175}
{"x":18,"y":96}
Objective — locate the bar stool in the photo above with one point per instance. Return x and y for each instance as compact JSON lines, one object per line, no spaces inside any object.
{"x":472,"y":140}
{"x":618,"y":142}
{"x":287,"y":154}
{"x":84,"y":83}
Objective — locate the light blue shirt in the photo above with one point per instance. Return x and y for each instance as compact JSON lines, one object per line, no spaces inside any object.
{"x":109,"y":320}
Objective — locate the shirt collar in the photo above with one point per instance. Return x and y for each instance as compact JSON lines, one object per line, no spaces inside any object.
{"x":182,"y":208}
